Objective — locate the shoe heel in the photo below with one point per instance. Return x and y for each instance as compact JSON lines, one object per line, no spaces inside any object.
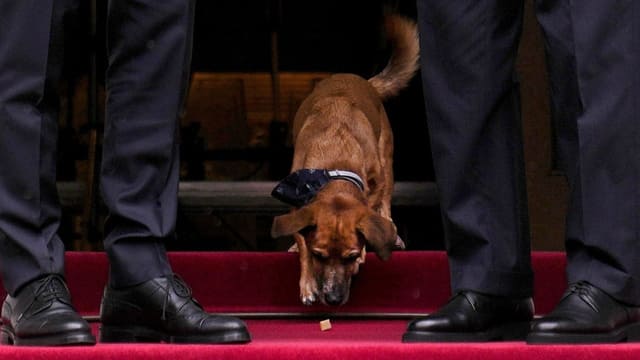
{"x":120,"y":334}
{"x":5,"y":337}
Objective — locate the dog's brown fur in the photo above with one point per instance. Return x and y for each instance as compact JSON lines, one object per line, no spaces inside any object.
{"x":342,"y":125}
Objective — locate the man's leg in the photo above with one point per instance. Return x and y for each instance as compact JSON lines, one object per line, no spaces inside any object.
{"x":468,"y":53}
{"x":37,"y":310}
{"x":29,"y":210}
{"x":149,"y":48}
{"x":592,"y":51}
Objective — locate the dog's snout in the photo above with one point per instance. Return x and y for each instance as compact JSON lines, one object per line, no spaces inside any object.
{"x":333,"y":298}
{"x":335,"y":284}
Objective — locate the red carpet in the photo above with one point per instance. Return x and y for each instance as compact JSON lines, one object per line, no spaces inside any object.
{"x":250,"y":283}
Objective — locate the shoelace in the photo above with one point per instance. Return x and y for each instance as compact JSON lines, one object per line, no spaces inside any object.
{"x":51,"y":288}
{"x":582,"y":289}
{"x":179,"y":286}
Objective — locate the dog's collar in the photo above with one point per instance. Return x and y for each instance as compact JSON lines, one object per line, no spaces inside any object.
{"x":347,"y":175}
{"x":301,"y":186}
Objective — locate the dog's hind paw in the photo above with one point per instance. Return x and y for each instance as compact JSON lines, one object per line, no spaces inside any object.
{"x":293,"y":248}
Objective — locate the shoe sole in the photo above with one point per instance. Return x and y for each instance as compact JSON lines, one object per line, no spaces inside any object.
{"x":7,"y":337}
{"x":505,"y":332}
{"x":113,"y":334}
{"x":629,"y":333}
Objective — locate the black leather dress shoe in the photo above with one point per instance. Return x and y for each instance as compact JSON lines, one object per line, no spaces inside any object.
{"x":162,"y":310}
{"x":586,"y":315}
{"x":472,"y":317}
{"x":41,"y":314}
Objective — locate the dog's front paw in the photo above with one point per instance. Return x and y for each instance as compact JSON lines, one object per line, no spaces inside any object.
{"x":308,"y":299}
{"x":399,"y":245}
{"x":308,"y":293}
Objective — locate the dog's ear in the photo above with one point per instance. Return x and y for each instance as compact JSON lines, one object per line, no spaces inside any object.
{"x":379,"y":233}
{"x":292,"y":222}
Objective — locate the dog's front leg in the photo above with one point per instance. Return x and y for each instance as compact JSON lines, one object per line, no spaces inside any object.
{"x":308,"y":285}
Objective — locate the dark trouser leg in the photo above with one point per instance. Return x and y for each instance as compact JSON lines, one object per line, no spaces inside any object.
{"x":149,"y":45}
{"x":468,"y":52}
{"x":30,"y":64}
{"x":593,"y":61}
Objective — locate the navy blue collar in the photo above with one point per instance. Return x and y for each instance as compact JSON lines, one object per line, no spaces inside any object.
{"x":301,"y":186}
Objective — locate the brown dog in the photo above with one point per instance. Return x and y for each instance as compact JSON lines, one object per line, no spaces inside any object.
{"x":343,"y":126}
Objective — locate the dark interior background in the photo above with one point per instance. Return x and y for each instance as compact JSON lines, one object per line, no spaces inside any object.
{"x":235,"y":37}
{"x":313,"y":36}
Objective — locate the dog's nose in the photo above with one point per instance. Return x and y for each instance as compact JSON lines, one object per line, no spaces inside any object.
{"x":333,"y":298}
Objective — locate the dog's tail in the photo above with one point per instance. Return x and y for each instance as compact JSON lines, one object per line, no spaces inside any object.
{"x":402,"y":32}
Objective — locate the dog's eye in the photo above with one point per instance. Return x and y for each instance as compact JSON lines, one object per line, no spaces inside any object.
{"x":319,"y":255}
{"x":351,"y":258}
